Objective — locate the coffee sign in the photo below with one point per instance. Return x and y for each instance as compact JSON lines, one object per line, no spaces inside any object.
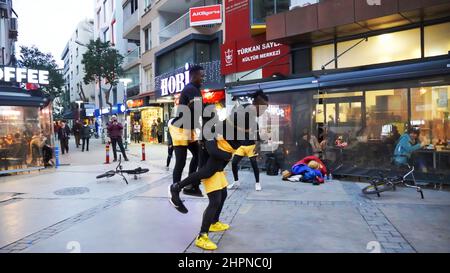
{"x":24,"y":75}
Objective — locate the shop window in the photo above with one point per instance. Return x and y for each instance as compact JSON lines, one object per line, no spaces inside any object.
{"x":384,"y":48}
{"x":386,"y":114}
{"x":203,"y":52}
{"x":184,"y":54}
{"x":23,"y":133}
{"x":322,"y":55}
{"x":165,"y":63}
{"x":430,"y":111}
{"x":437,"y":40}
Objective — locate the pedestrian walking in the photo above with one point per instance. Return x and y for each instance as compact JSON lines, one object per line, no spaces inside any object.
{"x":86,"y":132}
{"x":77,"y":132}
{"x":137,"y":132}
{"x":64,"y":136}
{"x":154,"y":131}
{"x":160,"y":130}
{"x":169,"y":150}
{"x":115,"y":132}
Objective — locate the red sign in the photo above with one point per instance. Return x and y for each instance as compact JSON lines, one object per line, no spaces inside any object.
{"x":212,"y":97}
{"x":207,"y":15}
{"x":135,"y":103}
{"x":253,"y":53}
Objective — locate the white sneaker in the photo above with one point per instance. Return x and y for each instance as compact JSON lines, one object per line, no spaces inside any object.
{"x":258,"y":187}
{"x":234,"y":185}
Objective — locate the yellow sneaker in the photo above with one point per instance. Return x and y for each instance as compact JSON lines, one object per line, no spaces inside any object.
{"x":218,"y":227}
{"x":205,"y":243}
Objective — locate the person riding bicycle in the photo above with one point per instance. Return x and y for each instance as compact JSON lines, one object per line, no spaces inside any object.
{"x":408,"y":143}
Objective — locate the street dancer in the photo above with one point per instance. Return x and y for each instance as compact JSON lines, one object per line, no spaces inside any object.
{"x":220,"y":151}
{"x":184,"y":139}
{"x":247,"y":150}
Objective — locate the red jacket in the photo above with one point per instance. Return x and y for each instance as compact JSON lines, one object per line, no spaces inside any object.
{"x":307,"y":159}
{"x":115,"y":131}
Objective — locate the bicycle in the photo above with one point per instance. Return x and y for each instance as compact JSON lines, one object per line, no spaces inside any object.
{"x":120,"y":171}
{"x":383,"y":184}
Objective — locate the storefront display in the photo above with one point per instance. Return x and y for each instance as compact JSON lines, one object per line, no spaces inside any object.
{"x":25,"y":130}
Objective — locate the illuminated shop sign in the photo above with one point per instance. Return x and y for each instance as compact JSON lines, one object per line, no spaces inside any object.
{"x":24,"y":75}
{"x":175,"y":83}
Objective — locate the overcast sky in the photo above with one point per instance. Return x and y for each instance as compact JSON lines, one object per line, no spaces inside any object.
{"x":48,"y":24}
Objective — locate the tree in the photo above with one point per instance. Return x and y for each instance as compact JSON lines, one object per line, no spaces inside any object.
{"x":32,"y":57}
{"x":102,"y":61}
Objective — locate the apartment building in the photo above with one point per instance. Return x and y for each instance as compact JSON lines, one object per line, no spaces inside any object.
{"x":8,"y":33}
{"x":108,"y":26}
{"x":166,"y":41}
{"x":73,"y":68}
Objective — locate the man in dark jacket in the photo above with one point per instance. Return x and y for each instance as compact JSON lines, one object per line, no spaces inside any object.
{"x":77,"y":132}
{"x":115,"y":132}
{"x":64,"y":136}
{"x":85,"y":136}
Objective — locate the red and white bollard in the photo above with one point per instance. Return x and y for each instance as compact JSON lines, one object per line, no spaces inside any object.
{"x":107,"y":154}
{"x":143,"y":151}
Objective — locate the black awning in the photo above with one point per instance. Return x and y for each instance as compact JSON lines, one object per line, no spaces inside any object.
{"x":403,"y":72}
{"x":13,"y":96}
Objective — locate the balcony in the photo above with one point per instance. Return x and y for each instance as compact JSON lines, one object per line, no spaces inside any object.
{"x":132,"y":59}
{"x":131,"y":25}
{"x":178,"y":26}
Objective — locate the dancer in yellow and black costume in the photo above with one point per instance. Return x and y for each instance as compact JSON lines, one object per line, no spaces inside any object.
{"x":220,"y":151}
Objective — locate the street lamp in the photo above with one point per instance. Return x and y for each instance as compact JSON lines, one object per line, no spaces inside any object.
{"x":126,"y":82}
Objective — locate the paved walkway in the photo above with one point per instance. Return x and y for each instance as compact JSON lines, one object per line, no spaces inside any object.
{"x":68,"y":210}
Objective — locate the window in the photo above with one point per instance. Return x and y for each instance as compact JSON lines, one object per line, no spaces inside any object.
{"x":322,"y":55}
{"x":149,"y":78}
{"x":147,"y":3}
{"x":148,"y":38}
{"x":134,"y":6}
{"x":389,"y":47}
{"x":430,"y":110}
{"x":78,"y":70}
{"x":165,"y":63}
{"x":260,"y":9}
{"x":436,"y":42}
{"x":21,"y":128}
{"x":386,"y":114}
{"x":98,"y":19}
{"x":203,"y":53}
{"x":184,"y":55}
{"x":105,"y":35}
{"x":77,"y":52}
{"x":104,"y":11}
{"x":113,"y":24}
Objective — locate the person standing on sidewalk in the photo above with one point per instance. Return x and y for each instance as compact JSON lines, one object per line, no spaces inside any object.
{"x":115,"y":132}
{"x":85,"y":135}
{"x":137,"y":132}
{"x":160,"y":130}
{"x":77,"y":132}
{"x":64,"y":136}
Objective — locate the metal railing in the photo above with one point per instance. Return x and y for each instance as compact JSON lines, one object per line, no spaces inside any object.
{"x":174,"y":28}
{"x":132,"y":56}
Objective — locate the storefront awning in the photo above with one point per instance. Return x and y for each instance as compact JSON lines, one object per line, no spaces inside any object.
{"x":363,"y":76}
{"x":13,"y":96}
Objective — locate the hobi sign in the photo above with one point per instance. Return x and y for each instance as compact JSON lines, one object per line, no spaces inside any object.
{"x":23,"y":75}
{"x":175,"y":83}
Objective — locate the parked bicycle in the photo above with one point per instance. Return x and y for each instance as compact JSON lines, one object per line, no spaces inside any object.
{"x":120,"y":171}
{"x":382,"y":184}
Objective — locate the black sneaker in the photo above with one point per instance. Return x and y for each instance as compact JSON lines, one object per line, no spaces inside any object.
{"x":174,"y":199}
{"x":195,"y":191}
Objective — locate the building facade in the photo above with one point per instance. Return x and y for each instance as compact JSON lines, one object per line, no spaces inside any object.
{"x":166,"y":41}
{"x":108,"y":26}
{"x":361,"y":73}
{"x":73,"y":71}
{"x":8,"y":33}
